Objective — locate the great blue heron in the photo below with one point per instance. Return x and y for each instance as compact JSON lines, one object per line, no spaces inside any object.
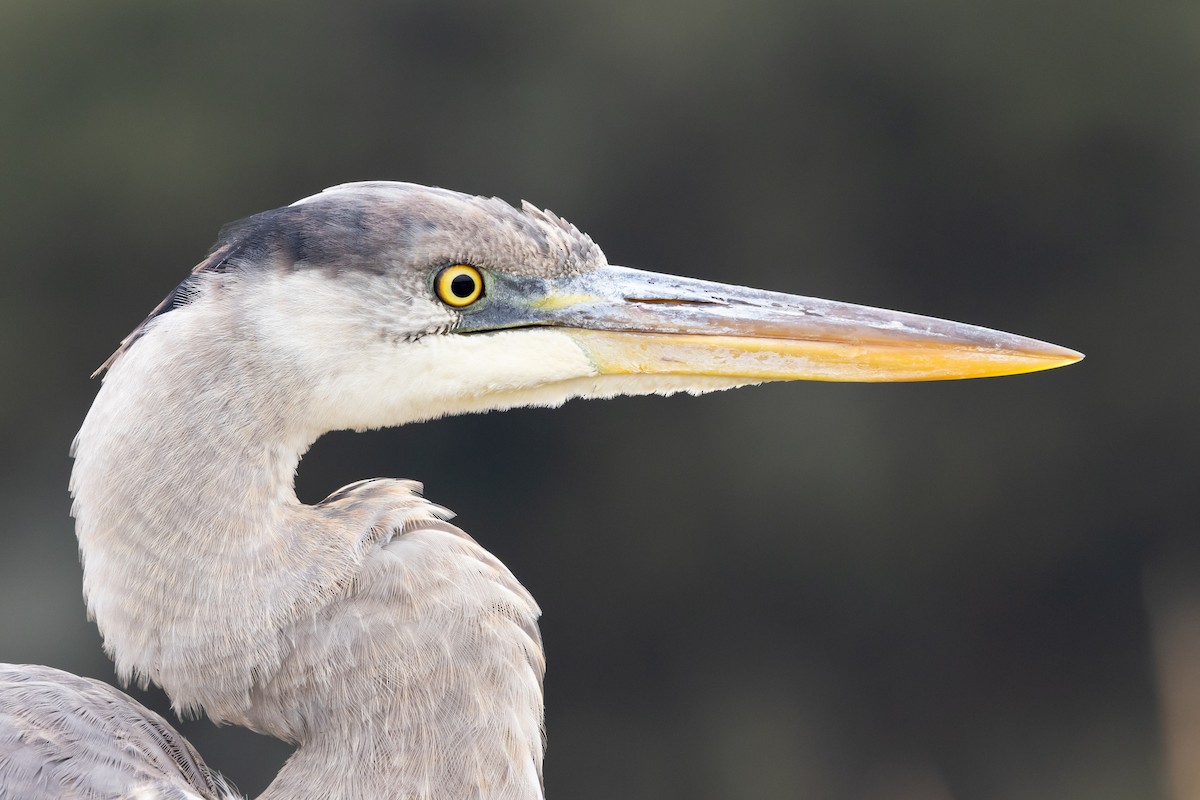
{"x":400,"y":657}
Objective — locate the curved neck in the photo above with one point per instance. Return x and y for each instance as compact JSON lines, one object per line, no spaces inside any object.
{"x":400,"y":656}
{"x":186,"y":517}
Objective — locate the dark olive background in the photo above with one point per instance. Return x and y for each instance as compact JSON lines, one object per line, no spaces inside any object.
{"x":955,"y":590}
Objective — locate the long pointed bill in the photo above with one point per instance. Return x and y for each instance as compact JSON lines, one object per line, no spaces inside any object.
{"x":634,"y":322}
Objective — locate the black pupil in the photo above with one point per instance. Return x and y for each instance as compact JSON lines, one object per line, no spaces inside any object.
{"x":462,"y":285}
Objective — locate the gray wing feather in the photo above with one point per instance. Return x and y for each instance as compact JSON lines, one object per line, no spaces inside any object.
{"x":63,"y":737}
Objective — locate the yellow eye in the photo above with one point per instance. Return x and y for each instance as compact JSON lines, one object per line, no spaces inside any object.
{"x":458,"y":285}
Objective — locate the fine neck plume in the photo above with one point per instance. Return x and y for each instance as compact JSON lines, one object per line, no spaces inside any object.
{"x":401,"y":657}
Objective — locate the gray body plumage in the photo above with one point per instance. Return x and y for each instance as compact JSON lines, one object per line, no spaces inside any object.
{"x":400,"y":657}
{"x":63,"y":737}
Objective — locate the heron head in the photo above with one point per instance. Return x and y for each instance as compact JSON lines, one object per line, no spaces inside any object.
{"x":392,"y":302}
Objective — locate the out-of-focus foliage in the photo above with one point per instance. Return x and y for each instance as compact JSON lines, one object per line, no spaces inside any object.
{"x":917,"y":591}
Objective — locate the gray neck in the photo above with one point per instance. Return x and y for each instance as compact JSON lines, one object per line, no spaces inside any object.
{"x":399,"y":655}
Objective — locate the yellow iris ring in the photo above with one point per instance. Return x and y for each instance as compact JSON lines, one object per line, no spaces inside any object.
{"x":450,"y":293}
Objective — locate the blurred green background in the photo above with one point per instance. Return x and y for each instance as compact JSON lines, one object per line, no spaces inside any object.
{"x":983,"y":589}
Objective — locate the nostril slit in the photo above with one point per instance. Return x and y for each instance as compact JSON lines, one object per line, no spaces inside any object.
{"x":665,"y":301}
